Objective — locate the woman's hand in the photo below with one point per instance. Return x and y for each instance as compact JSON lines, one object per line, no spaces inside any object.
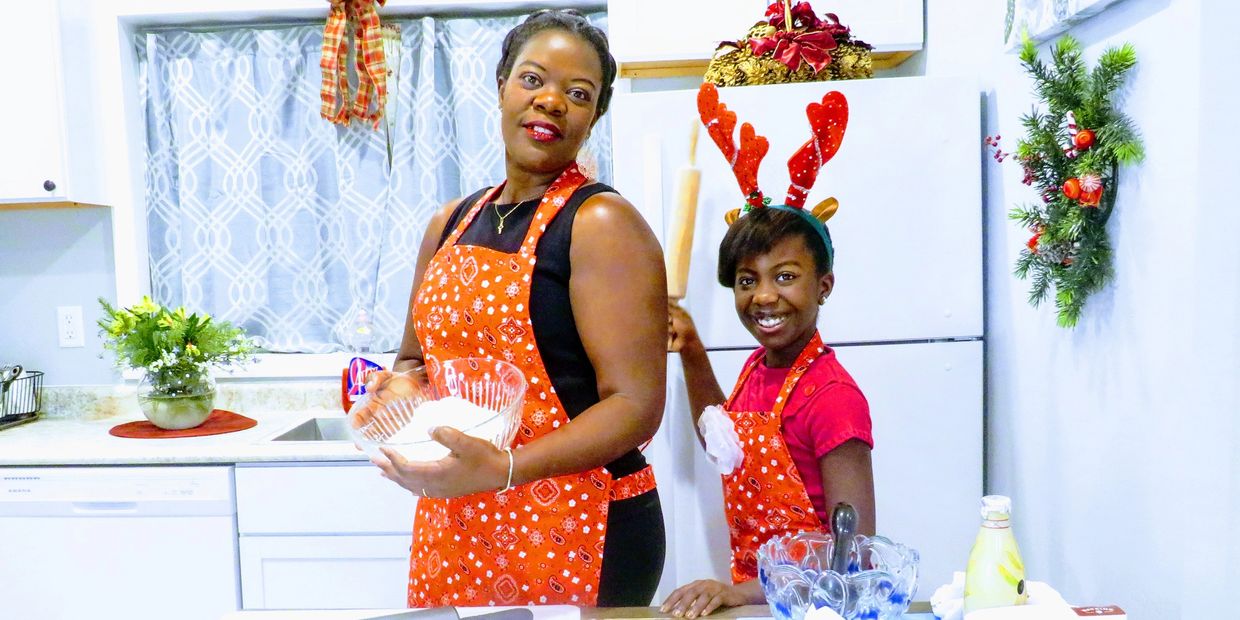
{"x":474,"y":465}
{"x":680,"y":328}
{"x":383,"y":387}
{"x":706,"y":595}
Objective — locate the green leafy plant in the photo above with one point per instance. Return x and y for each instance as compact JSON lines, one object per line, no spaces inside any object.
{"x":171,"y":343}
{"x":1071,"y":154}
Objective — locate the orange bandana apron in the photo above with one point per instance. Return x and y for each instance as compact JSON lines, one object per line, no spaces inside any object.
{"x":765,"y":496}
{"x":539,"y":543}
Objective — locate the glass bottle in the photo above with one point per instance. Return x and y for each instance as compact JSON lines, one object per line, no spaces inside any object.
{"x":360,"y":334}
{"x":995,"y":575}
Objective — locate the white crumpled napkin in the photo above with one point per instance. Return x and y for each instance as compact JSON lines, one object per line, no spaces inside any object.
{"x":948,"y":600}
{"x":822,"y":613}
{"x":723,"y":445}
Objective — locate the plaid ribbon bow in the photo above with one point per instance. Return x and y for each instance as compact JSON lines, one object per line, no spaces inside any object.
{"x":337,"y":106}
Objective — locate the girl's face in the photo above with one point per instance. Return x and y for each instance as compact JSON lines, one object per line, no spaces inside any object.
{"x":777,"y":298}
{"x":548,"y":101}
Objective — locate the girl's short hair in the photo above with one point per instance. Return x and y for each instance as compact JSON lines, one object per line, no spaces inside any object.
{"x":761,"y":229}
{"x":572,"y":22}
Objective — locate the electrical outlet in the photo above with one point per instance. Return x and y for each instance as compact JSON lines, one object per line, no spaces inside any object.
{"x":69,"y":326}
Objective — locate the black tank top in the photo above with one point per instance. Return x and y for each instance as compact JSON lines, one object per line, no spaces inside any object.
{"x":551,"y":310}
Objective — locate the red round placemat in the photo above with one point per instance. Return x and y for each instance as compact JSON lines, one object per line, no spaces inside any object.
{"x":218,"y":423}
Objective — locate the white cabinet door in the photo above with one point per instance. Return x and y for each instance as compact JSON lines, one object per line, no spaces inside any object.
{"x":926,"y":407}
{"x":322,"y":535}
{"x":324,"y":572}
{"x":650,"y":30}
{"x":678,"y":30}
{"x":32,"y":132}
{"x":908,"y":233}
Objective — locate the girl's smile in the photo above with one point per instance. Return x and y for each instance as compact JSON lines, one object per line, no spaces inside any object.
{"x":777,"y":297}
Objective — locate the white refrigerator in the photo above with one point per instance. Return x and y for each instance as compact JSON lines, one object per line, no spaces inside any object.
{"x":905,"y":317}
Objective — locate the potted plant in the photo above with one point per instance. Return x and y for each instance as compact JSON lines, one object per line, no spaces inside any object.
{"x":175,"y":349}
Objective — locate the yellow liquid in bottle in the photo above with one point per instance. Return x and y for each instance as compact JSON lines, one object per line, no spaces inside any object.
{"x":995,"y":575}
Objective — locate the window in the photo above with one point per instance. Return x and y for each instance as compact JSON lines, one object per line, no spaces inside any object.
{"x":265,"y":215}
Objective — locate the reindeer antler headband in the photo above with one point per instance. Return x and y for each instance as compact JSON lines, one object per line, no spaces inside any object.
{"x":827,"y":121}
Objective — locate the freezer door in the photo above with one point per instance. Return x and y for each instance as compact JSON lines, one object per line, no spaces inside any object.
{"x":908,"y":233}
{"x":926,"y":406}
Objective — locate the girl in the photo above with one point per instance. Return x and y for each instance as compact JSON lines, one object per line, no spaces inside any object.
{"x":803,"y":424}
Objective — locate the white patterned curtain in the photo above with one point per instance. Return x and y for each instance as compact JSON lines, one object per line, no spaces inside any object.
{"x":263,"y":214}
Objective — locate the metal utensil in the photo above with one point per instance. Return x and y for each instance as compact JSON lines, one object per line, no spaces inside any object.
{"x":843,"y":526}
{"x":7,"y":375}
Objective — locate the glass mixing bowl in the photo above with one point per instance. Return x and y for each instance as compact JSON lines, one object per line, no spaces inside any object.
{"x":480,"y":397}
{"x":879,"y":583}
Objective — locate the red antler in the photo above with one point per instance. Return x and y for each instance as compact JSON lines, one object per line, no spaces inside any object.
{"x":719,"y":122}
{"x":828,"y":120}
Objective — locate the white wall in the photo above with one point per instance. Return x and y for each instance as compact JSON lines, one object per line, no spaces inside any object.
{"x":50,"y":258}
{"x":1115,"y":439}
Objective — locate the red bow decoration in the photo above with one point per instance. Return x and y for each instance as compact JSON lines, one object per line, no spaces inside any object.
{"x":793,"y":48}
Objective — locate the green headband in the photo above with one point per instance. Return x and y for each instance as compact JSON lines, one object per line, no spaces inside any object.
{"x":818,"y":227}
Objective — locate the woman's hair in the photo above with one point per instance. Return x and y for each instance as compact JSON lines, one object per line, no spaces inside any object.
{"x":760,"y":230}
{"x":572,"y":22}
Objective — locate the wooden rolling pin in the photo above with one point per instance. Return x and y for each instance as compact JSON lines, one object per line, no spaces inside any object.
{"x":679,"y":245}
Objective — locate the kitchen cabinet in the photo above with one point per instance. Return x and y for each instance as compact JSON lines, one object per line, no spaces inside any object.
{"x":43,"y":164}
{"x":322,"y":535}
{"x":655,"y":38}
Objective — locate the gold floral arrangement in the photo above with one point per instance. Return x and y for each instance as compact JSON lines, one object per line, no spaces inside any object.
{"x":791,"y":45}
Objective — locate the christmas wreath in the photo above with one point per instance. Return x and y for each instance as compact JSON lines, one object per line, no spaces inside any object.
{"x":1071,"y":154}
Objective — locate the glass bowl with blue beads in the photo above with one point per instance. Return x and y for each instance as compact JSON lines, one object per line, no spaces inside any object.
{"x":878,"y":584}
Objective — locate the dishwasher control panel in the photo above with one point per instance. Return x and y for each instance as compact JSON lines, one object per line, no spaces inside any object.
{"x":121,"y":490}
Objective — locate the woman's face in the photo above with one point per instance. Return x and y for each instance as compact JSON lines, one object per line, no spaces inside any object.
{"x":548,"y":101}
{"x":777,"y":296}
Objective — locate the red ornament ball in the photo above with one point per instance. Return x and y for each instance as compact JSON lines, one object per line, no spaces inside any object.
{"x":1072,"y":188}
{"x":1084,"y":139}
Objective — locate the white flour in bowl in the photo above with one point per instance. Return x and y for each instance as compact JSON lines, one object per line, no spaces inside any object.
{"x":451,"y":411}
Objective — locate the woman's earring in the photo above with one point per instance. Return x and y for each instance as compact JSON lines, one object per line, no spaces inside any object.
{"x":822,"y":300}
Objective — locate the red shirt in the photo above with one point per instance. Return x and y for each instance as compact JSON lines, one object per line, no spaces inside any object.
{"x":825,"y":410}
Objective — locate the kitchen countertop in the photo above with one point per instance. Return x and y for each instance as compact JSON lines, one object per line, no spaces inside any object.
{"x":919,"y":610}
{"x":85,"y":440}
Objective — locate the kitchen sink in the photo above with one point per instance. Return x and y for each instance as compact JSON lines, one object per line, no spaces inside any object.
{"x":317,"y":429}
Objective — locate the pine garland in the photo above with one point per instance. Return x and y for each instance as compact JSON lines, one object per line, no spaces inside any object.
{"x":1071,"y":154}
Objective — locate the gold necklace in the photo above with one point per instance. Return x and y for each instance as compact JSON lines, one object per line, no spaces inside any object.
{"x":499,"y":229}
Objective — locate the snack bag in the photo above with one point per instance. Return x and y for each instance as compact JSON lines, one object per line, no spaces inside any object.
{"x":353,"y":381}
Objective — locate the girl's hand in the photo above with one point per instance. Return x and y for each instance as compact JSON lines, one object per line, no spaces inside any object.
{"x":474,"y":465}
{"x":702,"y":597}
{"x":680,"y":328}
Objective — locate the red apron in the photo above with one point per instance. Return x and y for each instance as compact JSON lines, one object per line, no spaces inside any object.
{"x":541,"y":542}
{"x":765,"y":496}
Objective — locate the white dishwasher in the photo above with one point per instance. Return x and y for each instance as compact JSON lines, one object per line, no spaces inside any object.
{"x":118,"y":542}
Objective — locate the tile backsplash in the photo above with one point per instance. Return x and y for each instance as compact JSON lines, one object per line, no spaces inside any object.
{"x":99,"y":402}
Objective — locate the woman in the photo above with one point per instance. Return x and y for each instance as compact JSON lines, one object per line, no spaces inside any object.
{"x":529,"y":272}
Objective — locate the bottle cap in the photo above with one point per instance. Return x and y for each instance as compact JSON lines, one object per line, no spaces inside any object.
{"x":996,"y":507}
